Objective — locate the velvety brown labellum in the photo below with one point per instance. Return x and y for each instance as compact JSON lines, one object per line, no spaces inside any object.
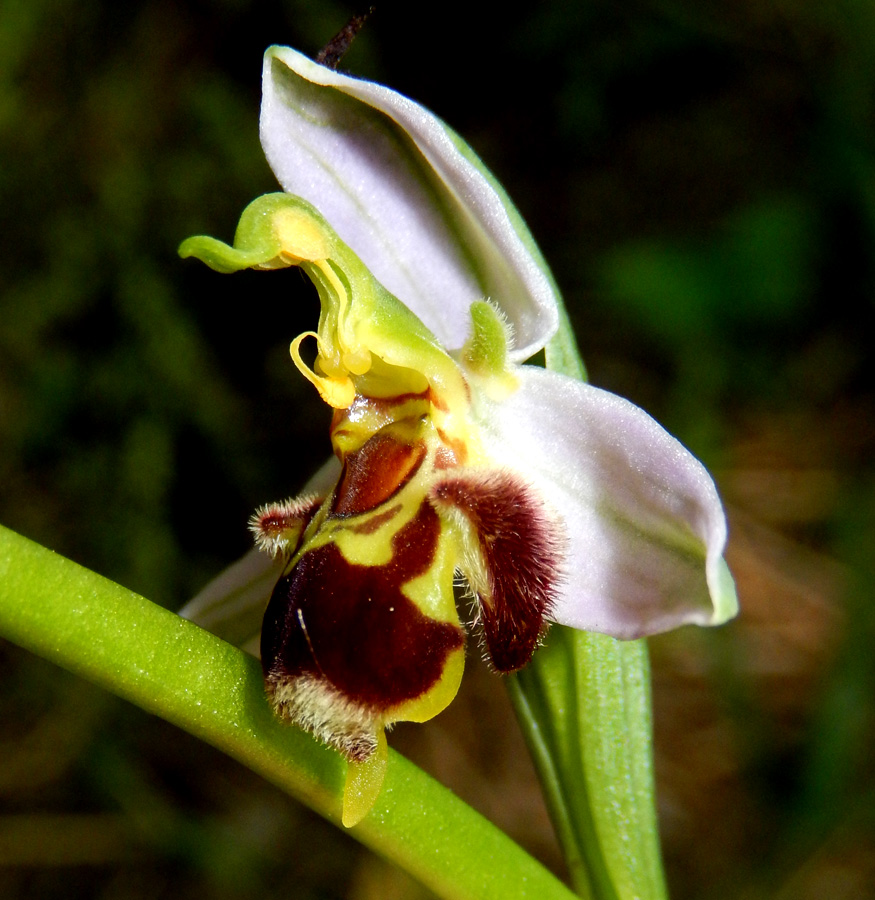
{"x":519,"y":544}
{"x":352,"y":626}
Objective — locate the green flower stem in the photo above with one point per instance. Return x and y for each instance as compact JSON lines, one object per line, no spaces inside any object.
{"x":176,"y":670}
{"x":584,"y":706}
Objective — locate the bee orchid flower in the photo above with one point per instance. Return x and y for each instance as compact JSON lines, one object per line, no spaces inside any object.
{"x":554,"y":501}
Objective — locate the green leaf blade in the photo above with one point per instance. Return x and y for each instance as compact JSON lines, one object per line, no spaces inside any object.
{"x":585,"y":707}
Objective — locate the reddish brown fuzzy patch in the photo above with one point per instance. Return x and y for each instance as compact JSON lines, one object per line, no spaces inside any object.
{"x":353,"y":627}
{"x":376,"y":472}
{"x":278,"y":527}
{"x":520,"y":543}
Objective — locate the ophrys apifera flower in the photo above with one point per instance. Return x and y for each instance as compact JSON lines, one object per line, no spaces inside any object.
{"x":554,"y":500}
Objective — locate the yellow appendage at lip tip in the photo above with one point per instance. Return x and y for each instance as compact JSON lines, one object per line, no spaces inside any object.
{"x":364,"y":781}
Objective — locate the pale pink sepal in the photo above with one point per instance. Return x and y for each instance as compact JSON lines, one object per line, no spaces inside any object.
{"x":407,"y":196}
{"x":645,"y":526}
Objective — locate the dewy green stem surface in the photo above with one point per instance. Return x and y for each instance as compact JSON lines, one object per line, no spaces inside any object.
{"x":176,"y":670}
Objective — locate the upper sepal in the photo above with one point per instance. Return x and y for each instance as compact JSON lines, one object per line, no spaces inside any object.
{"x":408,"y":196}
{"x":645,"y":524}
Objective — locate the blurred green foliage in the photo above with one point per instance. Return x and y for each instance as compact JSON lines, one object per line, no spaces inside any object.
{"x":702,"y":179}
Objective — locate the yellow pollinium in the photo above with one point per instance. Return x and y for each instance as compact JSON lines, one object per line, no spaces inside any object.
{"x":336,"y":388}
{"x":340,"y":357}
{"x":301,"y":238}
{"x":277,"y":231}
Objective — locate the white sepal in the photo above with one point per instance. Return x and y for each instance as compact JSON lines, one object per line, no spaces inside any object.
{"x":645,"y":526}
{"x":408,"y":196}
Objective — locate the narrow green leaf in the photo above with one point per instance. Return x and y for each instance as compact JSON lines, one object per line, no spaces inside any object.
{"x":584,"y":705}
{"x":172,"y":668}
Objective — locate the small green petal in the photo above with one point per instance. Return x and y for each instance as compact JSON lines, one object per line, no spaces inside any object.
{"x":486,"y":350}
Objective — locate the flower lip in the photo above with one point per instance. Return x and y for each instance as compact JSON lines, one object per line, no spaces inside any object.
{"x":408,"y":196}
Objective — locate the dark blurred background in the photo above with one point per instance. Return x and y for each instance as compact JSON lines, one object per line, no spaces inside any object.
{"x":701,"y":176}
